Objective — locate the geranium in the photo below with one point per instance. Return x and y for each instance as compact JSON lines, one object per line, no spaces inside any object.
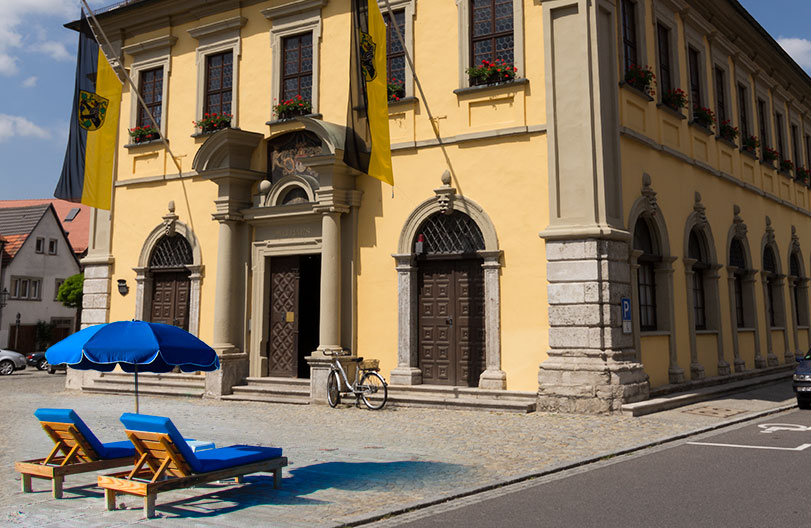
{"x":727,"y":131}
{"x":675,"y":99}
{"x":750,"y":144}
{"x":144,"y":133}
{"x":786,"y":165}
{"x":396,"y":89}
{"x":703,"y":116}
{"x":491,"y":72}
{"x":214,"y":121}
{"x":292,"y":107}
{"x":770,"y":154}
{"x":803,"y":175}
{"x":641,"y":78}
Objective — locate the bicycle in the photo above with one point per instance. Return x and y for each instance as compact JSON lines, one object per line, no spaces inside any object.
{"x":371,"y":388}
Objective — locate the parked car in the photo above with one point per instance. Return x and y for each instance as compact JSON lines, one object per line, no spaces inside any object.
{"x":10,"y":361}
{"x":802,"y":381}
{"x":37,"y":359}
{"x":54,"y":368}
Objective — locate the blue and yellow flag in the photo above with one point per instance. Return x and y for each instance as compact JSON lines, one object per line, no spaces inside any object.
{"x":367,"y":147}
{"x":87,"y":174}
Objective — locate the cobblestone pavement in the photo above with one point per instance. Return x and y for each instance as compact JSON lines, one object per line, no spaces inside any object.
{"x":346,"y":464}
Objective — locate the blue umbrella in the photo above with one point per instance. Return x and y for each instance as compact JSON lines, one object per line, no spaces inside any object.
{"x":134,"y":346}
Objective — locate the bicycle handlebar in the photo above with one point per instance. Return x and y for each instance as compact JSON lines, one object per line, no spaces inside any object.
{"x":337,"y":353}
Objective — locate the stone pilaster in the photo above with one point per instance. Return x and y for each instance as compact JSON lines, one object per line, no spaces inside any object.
{"x":406,"y":372}
{"x":492,"y":377}
{"x":771,"y":358}
{"x":592,"y":365}
{"x":738,"y":362}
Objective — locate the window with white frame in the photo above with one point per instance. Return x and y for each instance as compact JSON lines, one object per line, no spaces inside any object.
{"x":490,"y":30}
{"x":295,"y":29}
{"x":396,"y":63}
{"x":218,"y":52}
{"x":149,"y":70}
{"x":57,"y":284}
{"x":39,"y":246}
{"x":52,"y":245}
{"x":25,"y":288}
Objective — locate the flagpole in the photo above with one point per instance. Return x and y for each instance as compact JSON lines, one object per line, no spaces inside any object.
{"x":431,"y":117}
{"x":133,"y":88}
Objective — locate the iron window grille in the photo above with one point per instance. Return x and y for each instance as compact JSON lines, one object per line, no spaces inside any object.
{"x":453,"y":234}
{"x":171,"y":252}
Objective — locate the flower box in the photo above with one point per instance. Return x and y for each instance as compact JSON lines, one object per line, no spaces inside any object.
{"x":641,"y":78}
{"x":295,"y":106}
{"x":770,"y":155}
{"x":213,"y":122}
{"x":675,"y":99}
{"x":750,"y":144}
{"x":144,"y":134}
{"x":704,"y":116}
{"x":491,"y":72}
{"x":727,"y":131}
{"x":396,"y":89}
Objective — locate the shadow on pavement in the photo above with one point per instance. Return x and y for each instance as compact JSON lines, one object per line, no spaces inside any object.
{"x":300,"y":482}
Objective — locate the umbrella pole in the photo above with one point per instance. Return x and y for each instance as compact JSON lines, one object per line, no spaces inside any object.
{"x":136,"y":389}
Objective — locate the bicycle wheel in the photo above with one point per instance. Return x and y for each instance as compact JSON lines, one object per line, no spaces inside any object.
{"x":333,"y":389}
{"x":373,"y":390}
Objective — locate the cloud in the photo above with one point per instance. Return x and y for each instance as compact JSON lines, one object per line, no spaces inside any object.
{"x":8,"y":64}
{"x":18,"y":126}
{"x":799,"y":49}
{"x":30,"y":82}
{"x":56,"y":50}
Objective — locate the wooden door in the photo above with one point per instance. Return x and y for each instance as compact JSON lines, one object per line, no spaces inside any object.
{"x":451,"y":322}
{"x":170,"y":298}
{"x":284,"y":321}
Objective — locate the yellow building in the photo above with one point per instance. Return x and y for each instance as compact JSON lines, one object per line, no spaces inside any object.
{"x":524,"y":211}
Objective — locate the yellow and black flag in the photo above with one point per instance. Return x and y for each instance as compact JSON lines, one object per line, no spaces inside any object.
{"x":367,"y":147}
{"x":87,"y":173}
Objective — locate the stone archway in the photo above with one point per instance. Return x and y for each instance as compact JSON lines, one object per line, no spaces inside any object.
{"x":446,"y":201}
{"x":192,"y":264}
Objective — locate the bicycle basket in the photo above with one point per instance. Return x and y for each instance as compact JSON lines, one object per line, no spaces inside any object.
{"x":370,"y":364}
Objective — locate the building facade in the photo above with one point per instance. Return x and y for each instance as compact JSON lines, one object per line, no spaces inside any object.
{"x":525,"y":210}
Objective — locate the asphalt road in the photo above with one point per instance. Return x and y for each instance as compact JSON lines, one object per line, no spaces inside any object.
{"x":750,"y":475}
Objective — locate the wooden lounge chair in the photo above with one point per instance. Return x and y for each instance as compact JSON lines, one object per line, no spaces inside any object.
{"x":166,"y":462}
{"x":77,"y":450}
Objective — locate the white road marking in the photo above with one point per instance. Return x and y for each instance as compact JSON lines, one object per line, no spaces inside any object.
{"x":770,"y":428}
{"x":798,"y":448}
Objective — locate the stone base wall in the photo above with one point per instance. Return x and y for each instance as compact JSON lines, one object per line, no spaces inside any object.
{"x":592,"y":366}
{"x":96,"y":294}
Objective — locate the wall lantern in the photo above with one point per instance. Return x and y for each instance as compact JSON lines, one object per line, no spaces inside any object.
{"x":123,"y":289}
{"x":4,"y":297}
{"x":419,"y":247}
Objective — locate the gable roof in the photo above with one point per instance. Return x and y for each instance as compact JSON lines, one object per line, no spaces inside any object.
{"x":16,"y":223}
{"x":77,"y":229}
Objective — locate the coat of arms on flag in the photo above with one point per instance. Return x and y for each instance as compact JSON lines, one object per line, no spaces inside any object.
{"x":92,"y":110}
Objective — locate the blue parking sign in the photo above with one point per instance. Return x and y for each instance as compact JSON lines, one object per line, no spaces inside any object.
{"x":626,"y":315}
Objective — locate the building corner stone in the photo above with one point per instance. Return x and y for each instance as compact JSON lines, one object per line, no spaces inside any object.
{"x":592,"y":365}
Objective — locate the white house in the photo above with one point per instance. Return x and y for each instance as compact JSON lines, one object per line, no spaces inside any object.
{"x":36,"y":258}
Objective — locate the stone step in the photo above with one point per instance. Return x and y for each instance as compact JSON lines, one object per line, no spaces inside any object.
{"x":145,"y":383}
{"x":169,"y":384}
{"x":268,"y":397}
{"x":411,"y":399}
{"x":448,"y":392}
{"x":301,"y":382}
{"x":265,"y":390}
{"x":193,"y":392}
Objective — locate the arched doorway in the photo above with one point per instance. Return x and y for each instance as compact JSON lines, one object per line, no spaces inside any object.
{"x":450,"y":284}
{"x":171,"y":286}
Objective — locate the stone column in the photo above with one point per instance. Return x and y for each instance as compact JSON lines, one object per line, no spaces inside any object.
{"x":714,"y":277}
{"x":771,"y":359}
{"x":793,"y":284}
{"x":739,"y":363}
{"x":493,"y":377}
{"x":406,"y":372}
{"x":228,"y":324}
{"x":696,"y":370}
{"x":330,"y":309}
{"x":664,"y":276}
{"x":637,"y":328}
{"x":750,"y":281}
{"x":788,"y":356}
{"x":592,"y":365}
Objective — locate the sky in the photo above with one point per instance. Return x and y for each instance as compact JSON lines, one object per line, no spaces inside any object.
{"x":38,"y":66}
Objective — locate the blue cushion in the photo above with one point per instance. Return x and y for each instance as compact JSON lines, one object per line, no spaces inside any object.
{"x":235,"y":455}
{"x":204,"y":461}
{"x":69,"y":416}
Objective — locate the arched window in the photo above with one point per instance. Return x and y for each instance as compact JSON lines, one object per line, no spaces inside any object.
{"x":171,"y":252}
{"x":737,"y":259}
{"x":453,"y":234}
{"x":697,"y":250}
{"x":798,"y":291}
{"x":646,"y":274}
{"x":296,"y":195}
{"x":770,"y":266}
